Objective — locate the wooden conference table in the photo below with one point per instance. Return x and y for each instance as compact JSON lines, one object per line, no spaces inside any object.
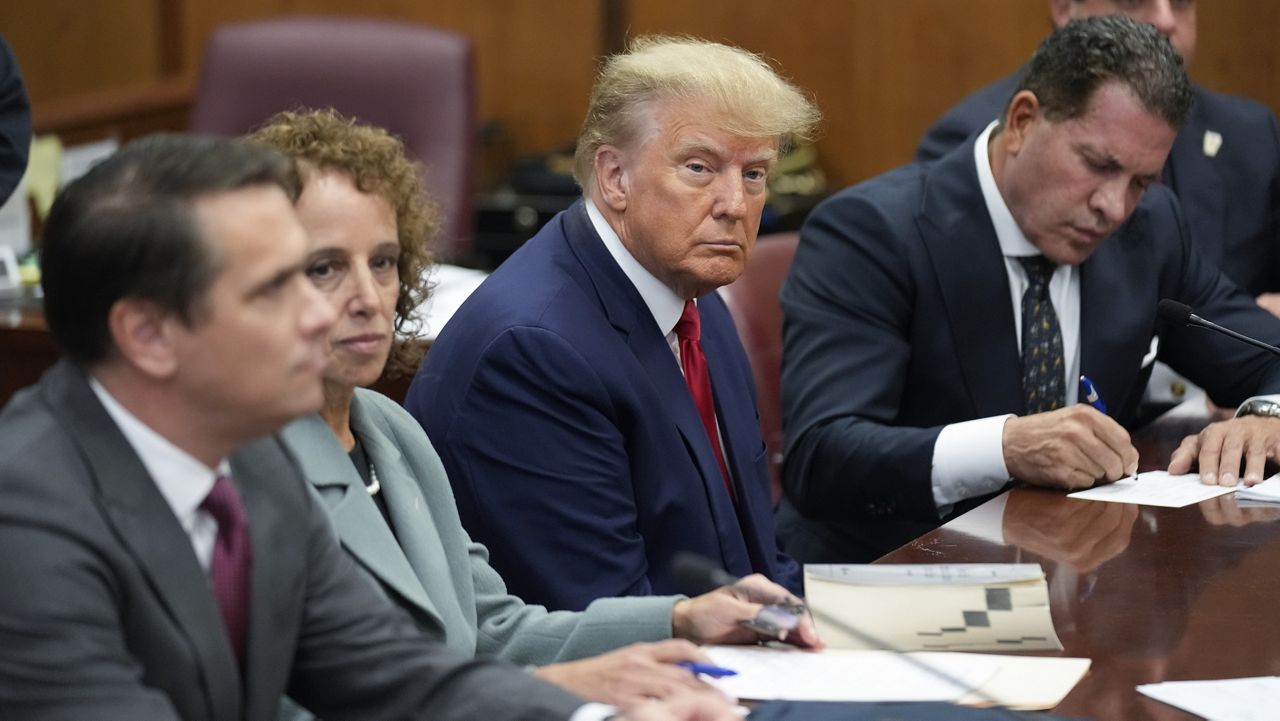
{"x":1150,"y":594}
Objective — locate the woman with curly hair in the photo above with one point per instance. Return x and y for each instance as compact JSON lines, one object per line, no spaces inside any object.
{"x":374,"y":469}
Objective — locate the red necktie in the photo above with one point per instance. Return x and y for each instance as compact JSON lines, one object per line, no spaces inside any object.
{"x":229,"y":568}
{"x":694,"y":362}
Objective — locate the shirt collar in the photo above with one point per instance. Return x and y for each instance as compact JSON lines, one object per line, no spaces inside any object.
{"x":1012,"y":242}
{"x":662,"y":302}
{"x":183,"y":481}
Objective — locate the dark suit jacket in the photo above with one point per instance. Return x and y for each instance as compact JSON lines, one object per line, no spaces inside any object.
{"x":15,"y":122}
{"x":573,"y":445}
{"x":1231,"y":199}
{"x":105,"y":612}
{"x":898,"y":321}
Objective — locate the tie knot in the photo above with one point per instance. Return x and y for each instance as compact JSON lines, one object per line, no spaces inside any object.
{"x":1039,"y":268}
{"x":223,"y":503}
{"x":690,"y":324}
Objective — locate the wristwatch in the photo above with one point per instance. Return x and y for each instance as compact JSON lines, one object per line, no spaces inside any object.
{"x":1259,"y":407}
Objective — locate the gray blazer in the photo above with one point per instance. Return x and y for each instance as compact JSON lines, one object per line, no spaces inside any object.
{"x":435,"y":570}
{"x":105,"y":612}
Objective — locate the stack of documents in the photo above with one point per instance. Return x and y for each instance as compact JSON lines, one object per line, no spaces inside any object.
{"x":932,"y":607}
{"x":788,"y":674}
{"x":1268,"y":490}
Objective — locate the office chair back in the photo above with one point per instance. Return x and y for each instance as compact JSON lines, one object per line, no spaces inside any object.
{"x":415,"y":81}
{"x":753,"y":303}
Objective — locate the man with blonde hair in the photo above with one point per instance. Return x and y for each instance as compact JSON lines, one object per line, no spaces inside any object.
{"x":591,"y":401}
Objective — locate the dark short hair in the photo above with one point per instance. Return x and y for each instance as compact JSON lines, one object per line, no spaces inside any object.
{"x":128,"y":229}
{"x":1085,"y":54}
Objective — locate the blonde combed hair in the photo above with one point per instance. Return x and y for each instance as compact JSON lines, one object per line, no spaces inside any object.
{"x":751,"y":99}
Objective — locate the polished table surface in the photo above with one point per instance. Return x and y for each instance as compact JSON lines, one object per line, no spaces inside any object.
{"x":1150,"y":594}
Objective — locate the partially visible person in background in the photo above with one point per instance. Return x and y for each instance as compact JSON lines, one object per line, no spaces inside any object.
{"x":15,"y":122}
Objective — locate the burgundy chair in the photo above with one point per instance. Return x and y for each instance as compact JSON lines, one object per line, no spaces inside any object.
{"x":753,"y":303}
{"x":415,"y":81}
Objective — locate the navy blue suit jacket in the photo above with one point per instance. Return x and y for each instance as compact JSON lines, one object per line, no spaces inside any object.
{"x":1231,"y":199}
{"x":898,"y":321}
{"x":15,"y":122}
{"x":573,"y":445}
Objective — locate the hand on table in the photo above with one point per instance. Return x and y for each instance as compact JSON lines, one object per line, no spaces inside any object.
{"x":631,"y":674}
{"x":714,"y":617}
{"x":1225,"y":449}
{"x":1069,"y":448}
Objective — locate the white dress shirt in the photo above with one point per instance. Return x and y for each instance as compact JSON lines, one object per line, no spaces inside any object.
{"x":183,"y":481}
{"x":662,"y":302}
{"x":968,"y":457}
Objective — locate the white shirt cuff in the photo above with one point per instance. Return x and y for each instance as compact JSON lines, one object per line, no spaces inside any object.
{"x":593,"y":712}
{"x":968,"y":461}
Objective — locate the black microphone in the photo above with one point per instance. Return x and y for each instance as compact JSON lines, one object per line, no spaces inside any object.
{"x":695,"y":574}
{"x":1180,"y":314}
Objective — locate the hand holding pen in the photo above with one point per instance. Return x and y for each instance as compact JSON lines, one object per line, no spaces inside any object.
{"x":1070,"y":448}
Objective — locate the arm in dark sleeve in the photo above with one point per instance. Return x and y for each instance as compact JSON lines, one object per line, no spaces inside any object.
{"x":540,"y":470}
{"x":15,"y":122}
{"x":361,"y":657}
{"x":848,"y":305}
{"x":1228,"y":370}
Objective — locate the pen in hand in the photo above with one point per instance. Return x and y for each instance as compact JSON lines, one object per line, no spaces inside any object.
{"x":1089,"y":394}
{"x":706,"y":669}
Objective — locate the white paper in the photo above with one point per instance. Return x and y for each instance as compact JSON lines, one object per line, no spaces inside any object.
{"x":1236,"y":699}
{"x":784,"y":673}
{"x":1156,"y":488}
{"x":766,"y":674}
{"x":1268,"y":490}
{"x":450,"y":286}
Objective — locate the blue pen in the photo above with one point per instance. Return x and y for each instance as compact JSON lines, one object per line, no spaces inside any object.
{"x":706,"y":669}
{"x":1091,"y":395}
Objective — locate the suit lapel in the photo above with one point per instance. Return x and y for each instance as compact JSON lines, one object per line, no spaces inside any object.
{"x":741,"y":426}
{"x":1113,"y":342}
{"x":970,"y":269}
{"x":147,"y":527}
{"x":630,"y":316}
{"x":355,"y":517}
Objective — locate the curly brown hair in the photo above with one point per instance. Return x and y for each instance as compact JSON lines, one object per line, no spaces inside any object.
{"x":376,"y":161}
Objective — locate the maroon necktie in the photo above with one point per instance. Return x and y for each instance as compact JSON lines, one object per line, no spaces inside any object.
{"x":694,"y":362}
{"x":231,"y":561}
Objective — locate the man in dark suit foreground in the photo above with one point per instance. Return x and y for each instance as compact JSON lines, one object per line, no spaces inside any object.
{"x":928,"y":306}
{"x":591,"y":400}
{"x":163,"y":558}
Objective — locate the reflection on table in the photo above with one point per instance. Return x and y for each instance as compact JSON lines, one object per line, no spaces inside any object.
{"x":1149,"y":594}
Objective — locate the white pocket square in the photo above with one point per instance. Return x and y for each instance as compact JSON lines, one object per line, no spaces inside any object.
{"x":1150,"y":357}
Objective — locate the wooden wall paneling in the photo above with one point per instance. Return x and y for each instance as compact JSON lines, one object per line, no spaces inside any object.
{"x":881,"y":71}
{"x":1236,"y":51}
{"x":67,"y":47}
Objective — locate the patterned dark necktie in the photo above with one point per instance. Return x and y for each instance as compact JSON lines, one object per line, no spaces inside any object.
{"x":231,"y":563}
{"x":1043,"y":372}
{"x":694,"y":363}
